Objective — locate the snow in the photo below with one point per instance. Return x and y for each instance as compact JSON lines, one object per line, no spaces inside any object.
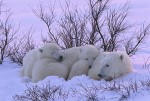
{"x":79,"y":88}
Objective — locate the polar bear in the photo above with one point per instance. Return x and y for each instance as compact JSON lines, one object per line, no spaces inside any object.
{"x":88,"y":53}
{"x":45,"y":67}
{"x":110,"y":65}
{"x":49,"y":50}
{"x":28,"y":63}
{"x":81,"y":67}
{"x":72,"y":55}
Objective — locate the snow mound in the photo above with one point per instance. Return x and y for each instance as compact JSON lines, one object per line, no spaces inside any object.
{"x":134,"y":86}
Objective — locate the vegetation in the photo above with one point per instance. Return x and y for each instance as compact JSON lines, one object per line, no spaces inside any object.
{"x":101,"y":24}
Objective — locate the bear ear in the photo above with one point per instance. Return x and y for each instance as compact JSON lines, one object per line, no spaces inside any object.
{"x":121,"y":56}
{"x":40,"y":50}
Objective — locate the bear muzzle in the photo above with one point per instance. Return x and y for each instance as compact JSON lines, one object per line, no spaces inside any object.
{"x":61,"y":58}
{"x":90,"y":67}
{"x":99,"y":75}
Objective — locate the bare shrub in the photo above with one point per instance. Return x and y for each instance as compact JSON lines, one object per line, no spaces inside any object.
{"x":44,"y":93}
{"x":20,"y":47}
{"x":112,"y":86}
{"x":146,"y":63}
{"x":101,"y":24}
{"x":48,"y":19}
{"x":128,"y":89}
{"x":125,"y":90}
{"x":134,"y":43}
{"x":145,"y":83}
{"x":7,"y":31}
{"x":90,"y":92}
{"x":73,"y":31}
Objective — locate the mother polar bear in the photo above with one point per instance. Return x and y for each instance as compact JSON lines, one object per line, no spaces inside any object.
{"x":110,"y":65}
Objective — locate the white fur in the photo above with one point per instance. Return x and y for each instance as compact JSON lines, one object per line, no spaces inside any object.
{"x":28,"y":63}
{"x":88,"y":53}
{"x":72,"y":55}
{"x":110,"y":65}
{"x":81,"y":67}
{"x":75,"y":54}
{"x":44,"y":67}
{"x":49,"y":50}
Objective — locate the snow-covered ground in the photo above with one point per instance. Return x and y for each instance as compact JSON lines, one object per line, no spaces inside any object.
{"x":80,"y":88}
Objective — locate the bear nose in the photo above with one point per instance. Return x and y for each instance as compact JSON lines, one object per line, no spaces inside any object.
{"x":90,"y":67}
{"x":61,"y":58}
{"x":100,"y":75}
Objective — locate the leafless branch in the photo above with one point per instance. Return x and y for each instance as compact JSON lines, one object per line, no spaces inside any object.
{"x":132,"y":45}
{"x":101,"y":24}
{"x":48,"y":18}
{"x":7,"y":34}
{"x":20,"y":47}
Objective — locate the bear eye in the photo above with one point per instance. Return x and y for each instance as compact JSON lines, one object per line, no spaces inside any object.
{"x":94,"y":58}
{"x":107,"y":65}
{"x":86,"y":59}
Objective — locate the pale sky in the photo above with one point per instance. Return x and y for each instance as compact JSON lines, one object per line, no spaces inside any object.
{"x":23,"y":14}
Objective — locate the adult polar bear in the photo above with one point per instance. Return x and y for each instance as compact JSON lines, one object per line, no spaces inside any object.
{"x":110,"y":65}
{"x":75,"y":54}
{"x":49,"y":50}
{"x":45,"y":67}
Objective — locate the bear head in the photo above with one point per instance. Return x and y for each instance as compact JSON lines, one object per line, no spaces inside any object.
{"x":49,"y":50}
{"x":111,"y":66}
{"x":88,"y":53}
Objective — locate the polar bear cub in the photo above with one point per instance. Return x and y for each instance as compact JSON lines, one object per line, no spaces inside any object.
{"x":49,"y":50}
{"x":88,"y":53}
{"x":45,"y":67}
{"x":110,"y":65}
{"x":72,"y":55}
{"x":86,"y":56}
{"x":81,"y":67}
